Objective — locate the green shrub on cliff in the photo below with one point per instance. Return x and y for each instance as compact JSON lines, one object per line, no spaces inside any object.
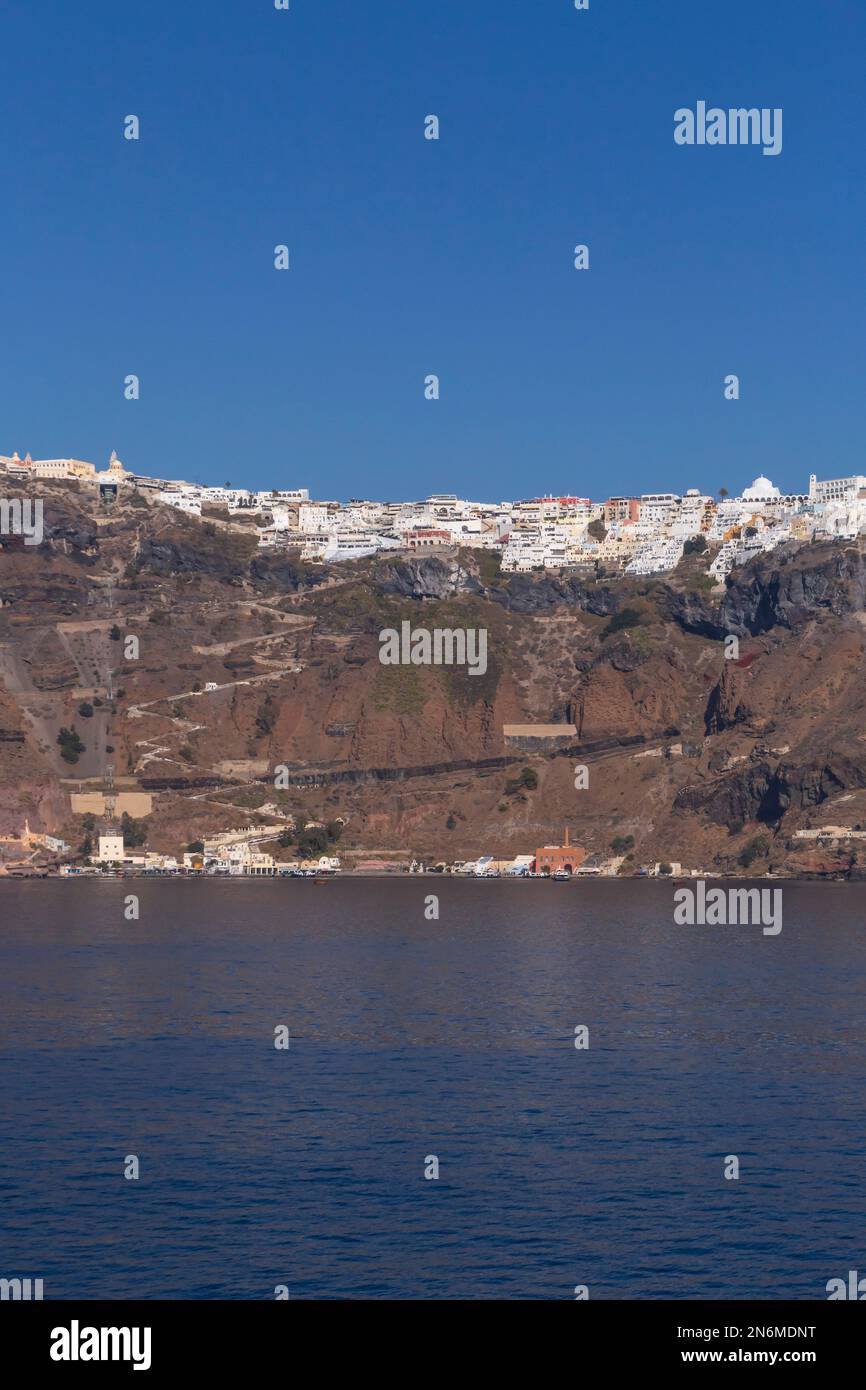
{"x":490,"y":568}
{"x":757,"y":848}
{"x":526,"y":780}
{"x":266,"y":717}
{"x":134,"y":831}
{"x":624,"y":618}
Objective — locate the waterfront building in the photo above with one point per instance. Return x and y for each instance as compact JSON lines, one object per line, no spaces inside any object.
{"x":564,"y":858}
{"x":111,"y":850}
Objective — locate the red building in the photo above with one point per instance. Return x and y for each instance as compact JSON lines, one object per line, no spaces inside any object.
{"x":551,"y":859}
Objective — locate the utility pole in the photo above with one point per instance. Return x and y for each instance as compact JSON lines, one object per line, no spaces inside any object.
{"x":110,"y":794}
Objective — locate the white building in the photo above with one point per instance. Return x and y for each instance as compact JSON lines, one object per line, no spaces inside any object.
{"x":354,"y":545}
{"x":314,"y":519}
{"x":657,"y":557}
{"x":836,"y":489}
{"x":656,"y":507}
{"x":181,"y":501}
{"x":282,"y":496}
{"x":110,"y":850}
{"x":762,"y":493}
{"x":844,"y":519}
{"x":740,"y":549}
{"x":51,"y":468}
{"x":687,"y":520}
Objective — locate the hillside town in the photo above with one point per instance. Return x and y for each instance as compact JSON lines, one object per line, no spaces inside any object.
{"x":171,"y":658}
{"x":639,"y":535}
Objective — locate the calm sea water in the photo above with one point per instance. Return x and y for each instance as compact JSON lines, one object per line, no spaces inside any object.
{"x":412,"y":1038}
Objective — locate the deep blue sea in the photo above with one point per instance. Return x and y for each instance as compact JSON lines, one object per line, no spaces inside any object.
{"x":411,"y":1038}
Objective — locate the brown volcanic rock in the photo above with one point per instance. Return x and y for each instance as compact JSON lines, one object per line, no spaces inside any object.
{"x":403,"y":752}
{"x":727,"y":706}
{"x":763,"y":793}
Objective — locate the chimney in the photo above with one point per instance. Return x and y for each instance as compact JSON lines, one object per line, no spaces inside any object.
{"x":566,"y":845}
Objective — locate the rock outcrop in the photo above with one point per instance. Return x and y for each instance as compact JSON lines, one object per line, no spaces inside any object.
{"x":784,"y":588}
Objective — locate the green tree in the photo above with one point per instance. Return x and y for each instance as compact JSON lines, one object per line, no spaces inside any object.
{"x":312,"y":842}
{"x":71,"y":746}
{"x":134,"y":831}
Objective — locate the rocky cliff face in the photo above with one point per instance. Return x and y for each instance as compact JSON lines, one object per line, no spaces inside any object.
{"x":440,"y":577}
{"x":523,"y":593}
{"x":727,"y":705}
{"x":766,"y":793}
{"x":427,"y":577}
{"x":784,"y":588}
{"x":676,"y":740}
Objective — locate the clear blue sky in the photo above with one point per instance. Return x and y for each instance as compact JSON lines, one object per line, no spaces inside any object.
{"x":411,"y":257}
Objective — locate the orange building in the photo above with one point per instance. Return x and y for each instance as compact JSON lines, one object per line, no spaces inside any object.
{"x":551,"y":859}
{"x":619,"y":510}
